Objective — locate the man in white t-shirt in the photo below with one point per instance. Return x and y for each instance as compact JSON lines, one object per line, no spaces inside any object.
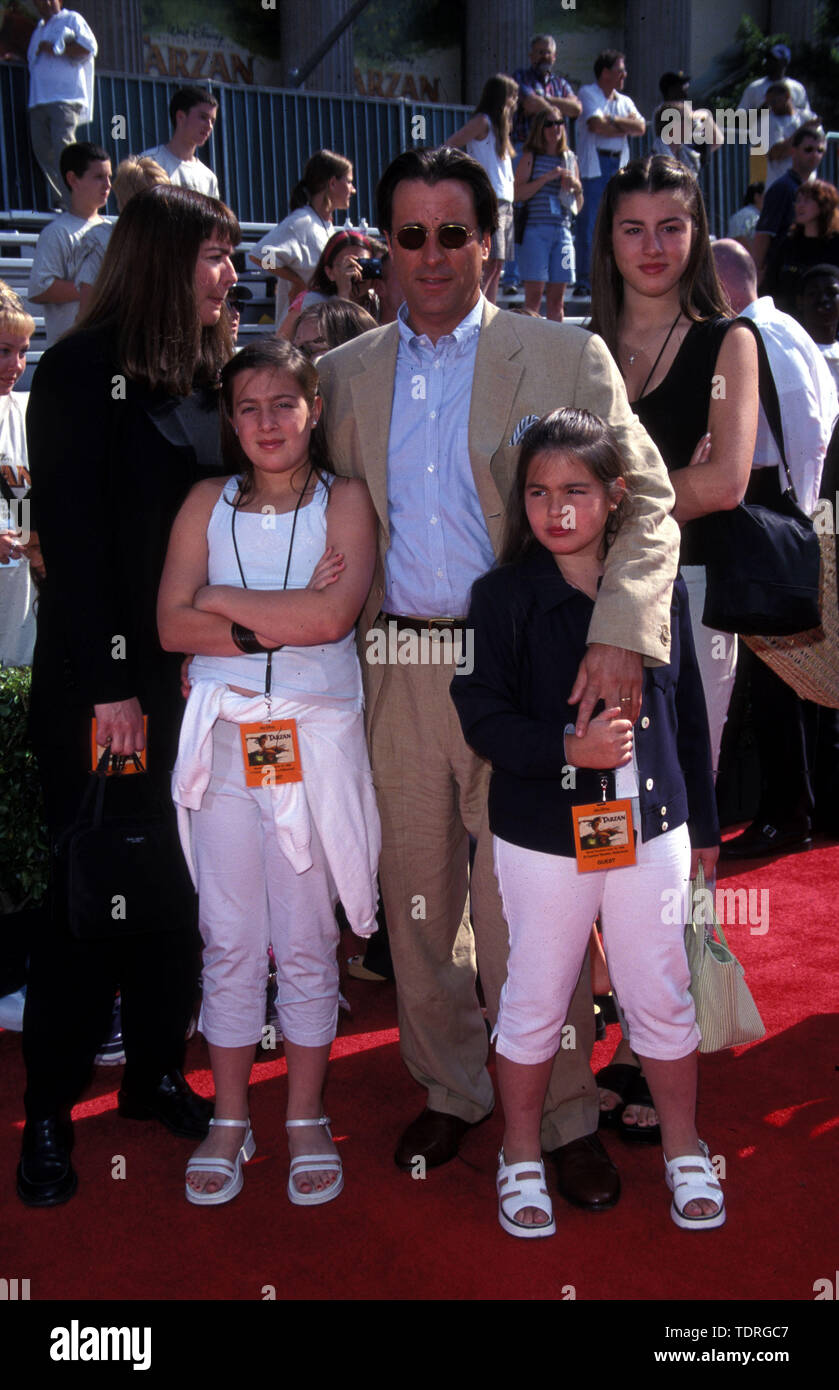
{"x":608,"y":118}
{"x":59,"y":254}
{"x":777,"y":62}
{"x":60,"y":58}
{"x":193,"y":112}
{"x":784,"y":121}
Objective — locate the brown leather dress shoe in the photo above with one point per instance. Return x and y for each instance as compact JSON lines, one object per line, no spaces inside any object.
{"x":587,"y":1176}
{"x":433,"y":1136}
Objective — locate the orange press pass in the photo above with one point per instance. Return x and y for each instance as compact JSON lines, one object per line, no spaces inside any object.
{"x":271,"y":753}
{"x":603,"y":835}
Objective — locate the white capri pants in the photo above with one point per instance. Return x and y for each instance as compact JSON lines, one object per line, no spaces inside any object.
{"x":716,"y":656}
{"x":250,"y":897}
{"x":550,"y":907}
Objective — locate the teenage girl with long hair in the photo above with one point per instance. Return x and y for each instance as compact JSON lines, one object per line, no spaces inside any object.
{"x":292,"y":248}
{"x":486,"y":137}
{"x":691,"y":378}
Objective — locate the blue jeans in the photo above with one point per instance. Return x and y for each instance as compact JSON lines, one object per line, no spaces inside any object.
{"x":592,"y":193}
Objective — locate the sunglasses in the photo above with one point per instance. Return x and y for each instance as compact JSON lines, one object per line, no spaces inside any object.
{"x":546,"y":125}
{"x":450,"y":235}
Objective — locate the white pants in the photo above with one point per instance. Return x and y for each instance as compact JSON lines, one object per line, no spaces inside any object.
{"x":550,"y":907}
{"x":716,"y":654}
{"x":250,"y":896}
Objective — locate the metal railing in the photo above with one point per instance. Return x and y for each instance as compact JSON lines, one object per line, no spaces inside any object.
{"x":262,"y":139}
{"x":264,"y":136}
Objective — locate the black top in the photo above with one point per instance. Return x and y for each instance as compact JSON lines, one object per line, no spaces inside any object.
{"x":778,"y":209}
{"x":111,"y":464}
{"x":530,"y":634}
{"x":675,"y":413}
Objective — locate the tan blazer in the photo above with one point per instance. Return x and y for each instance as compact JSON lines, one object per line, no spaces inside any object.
{"x":523,"y":368}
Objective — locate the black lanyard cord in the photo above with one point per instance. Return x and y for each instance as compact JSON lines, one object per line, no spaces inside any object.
{"x":297,"y":507}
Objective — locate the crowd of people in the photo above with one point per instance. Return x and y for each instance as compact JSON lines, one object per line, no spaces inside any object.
{"x":526,"y":506}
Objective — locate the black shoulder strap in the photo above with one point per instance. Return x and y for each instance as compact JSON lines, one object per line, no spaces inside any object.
{"x":769,"y":397}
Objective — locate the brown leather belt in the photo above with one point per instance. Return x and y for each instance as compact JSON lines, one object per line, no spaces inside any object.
{"x":425,"y":624}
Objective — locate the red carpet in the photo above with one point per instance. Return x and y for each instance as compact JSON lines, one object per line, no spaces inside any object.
{"x":770,"y":1110}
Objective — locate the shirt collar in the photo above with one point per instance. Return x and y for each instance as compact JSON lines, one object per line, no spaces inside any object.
{"x":460,"y":339}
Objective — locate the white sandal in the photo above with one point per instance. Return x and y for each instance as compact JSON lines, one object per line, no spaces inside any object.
{"x":523,"y":1192}
{"x":691,"y":1186}
{"x":231,"y":1171}
{"x":314,"y":1163}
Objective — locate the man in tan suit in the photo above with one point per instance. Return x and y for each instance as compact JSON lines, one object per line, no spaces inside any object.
{"x":429,"y":410}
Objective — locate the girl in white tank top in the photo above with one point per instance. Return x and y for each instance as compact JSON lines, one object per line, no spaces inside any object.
{"x":265,"y":576}
{"x":486,"y":137}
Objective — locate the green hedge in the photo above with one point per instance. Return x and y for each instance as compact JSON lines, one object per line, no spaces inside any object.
{"x":24,"y":850}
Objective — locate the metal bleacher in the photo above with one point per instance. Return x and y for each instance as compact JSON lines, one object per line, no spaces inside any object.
{"x":261,"y":142}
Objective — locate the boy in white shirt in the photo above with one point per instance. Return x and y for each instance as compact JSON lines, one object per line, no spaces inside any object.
{"x":193,"y":112}
{"x":60,"y":59}
{"x":86,"y":170}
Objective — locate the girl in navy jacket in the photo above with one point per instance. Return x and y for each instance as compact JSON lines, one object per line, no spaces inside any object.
{"x":530,"y":618}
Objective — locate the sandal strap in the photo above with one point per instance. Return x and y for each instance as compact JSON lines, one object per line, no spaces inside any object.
{"x":211,"y":1165}
{"x":314,"y":1163}
{"x":299,"y":1124}
{"x":700,"y":1184}
{"x":231,"y":1124}
{"x":527,"y":1192}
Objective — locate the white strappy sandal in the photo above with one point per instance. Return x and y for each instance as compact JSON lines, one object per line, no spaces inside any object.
{"x":689,"y":1185}
{"x":314,"y":1163}
{"x":516,"y":1191}
{"x":231,"y":1171}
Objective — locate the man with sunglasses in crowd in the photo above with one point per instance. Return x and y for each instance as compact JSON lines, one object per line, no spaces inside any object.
{"x":429,"y":410}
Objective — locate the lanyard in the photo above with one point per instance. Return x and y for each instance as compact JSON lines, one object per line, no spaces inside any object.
{"x":297,"y":507}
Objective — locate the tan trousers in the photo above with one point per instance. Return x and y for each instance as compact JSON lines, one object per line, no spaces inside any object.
{"x":432,"y":792}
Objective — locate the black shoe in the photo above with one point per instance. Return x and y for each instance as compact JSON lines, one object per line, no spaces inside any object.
{"x":173,"y":1103}
{"x":434,"y":1136}
{"x":762,"y":841}
{"x":586,"y":1174}
{"x":45,"y":1175}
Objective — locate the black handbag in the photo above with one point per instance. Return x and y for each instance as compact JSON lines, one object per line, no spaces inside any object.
{"x":763,"y":566}
{"x":123,"y":874}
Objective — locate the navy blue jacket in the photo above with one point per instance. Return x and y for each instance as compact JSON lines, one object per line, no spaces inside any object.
{"x":530,"y":631}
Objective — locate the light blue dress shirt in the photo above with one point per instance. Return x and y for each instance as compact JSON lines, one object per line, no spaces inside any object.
{"x":439,"y":542}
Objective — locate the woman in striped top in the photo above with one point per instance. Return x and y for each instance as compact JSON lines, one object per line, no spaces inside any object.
{"x":548,"y":180}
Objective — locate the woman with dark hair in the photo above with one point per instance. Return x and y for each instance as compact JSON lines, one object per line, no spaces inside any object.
{"x":327,"y":325}
{"x":690,"y":373}
{"x":339,"y":272}
{"x":292,"y":248}
{"x":813,"y":239}
{"x":548,"y":182}
{"x":122,"y":421}
{"x":272,"y":782}
{"x":487,"y":138}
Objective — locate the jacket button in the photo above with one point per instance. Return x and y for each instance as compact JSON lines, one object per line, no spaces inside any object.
{"x":664,"y":825}
{"x":645,"y":723}
{"x":664,"y":810}
{"x":649,"y":784}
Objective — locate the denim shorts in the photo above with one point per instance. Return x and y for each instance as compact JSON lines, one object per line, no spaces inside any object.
{"x":547,"y":254}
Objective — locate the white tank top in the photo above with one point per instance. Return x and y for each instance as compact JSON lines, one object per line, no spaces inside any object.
{"x":500,"y":170}
{"x":324,"y":675}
